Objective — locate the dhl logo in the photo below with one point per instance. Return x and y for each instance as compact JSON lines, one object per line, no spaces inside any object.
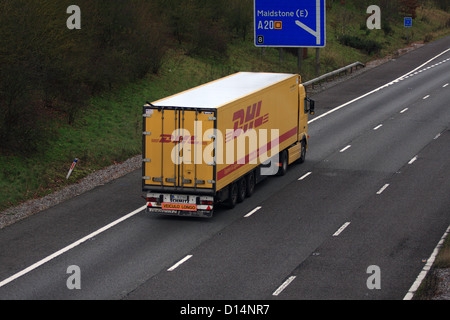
{"x":168,"y":138}
{"x":245,"y":119}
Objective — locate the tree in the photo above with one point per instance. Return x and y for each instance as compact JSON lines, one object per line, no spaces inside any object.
{"x":408,"y":7}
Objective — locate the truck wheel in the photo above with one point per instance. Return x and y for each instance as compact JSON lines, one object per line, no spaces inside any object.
{"x":250,"y":183}
{"x":284,"y":163}
{"x":232,"y":195}
{"x":302,"y":152}
{"x":242,"y":189}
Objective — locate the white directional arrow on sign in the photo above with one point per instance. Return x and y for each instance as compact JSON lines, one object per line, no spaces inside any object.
{"x":308,"y":29}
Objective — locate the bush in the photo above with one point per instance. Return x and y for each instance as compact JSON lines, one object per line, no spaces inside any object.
{"x":366,"y":45}
{"x":428,"y":37}
{"x":209,"y":40}
{"x":48,"y":72}
{"x":386,"y":27}
{"x":124,"y":41}
{"x":202,"y":25}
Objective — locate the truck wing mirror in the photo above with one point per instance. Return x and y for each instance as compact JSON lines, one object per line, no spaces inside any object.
{"x":311,"y":106}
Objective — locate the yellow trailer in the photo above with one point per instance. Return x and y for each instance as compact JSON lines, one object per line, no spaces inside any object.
{"x":215,"y":142}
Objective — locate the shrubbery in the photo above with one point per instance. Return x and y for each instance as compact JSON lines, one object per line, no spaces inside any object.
{"x":366,"y":45}
{"x":48,"y":72}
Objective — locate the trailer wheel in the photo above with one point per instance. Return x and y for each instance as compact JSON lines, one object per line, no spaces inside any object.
{"x":232,"y":195}
{"x":250,"y":183}
{"x":283,"y":163}
{"x":242,"y":189}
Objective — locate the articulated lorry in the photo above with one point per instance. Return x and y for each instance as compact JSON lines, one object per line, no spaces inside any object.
{"x":212,"y":144}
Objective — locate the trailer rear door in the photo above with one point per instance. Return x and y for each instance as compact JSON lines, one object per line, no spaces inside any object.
{"x":174,"y":144}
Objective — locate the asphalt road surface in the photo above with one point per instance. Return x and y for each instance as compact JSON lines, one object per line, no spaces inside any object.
{"x":357,"y":220}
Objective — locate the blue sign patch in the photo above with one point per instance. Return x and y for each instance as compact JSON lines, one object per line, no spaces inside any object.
{"x":290,"y":23}
{"x":408,"y":22}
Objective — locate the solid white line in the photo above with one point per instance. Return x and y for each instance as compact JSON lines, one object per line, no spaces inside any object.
{"x":404,"y":110}
{"x":377,"y":89}
{"x":283,"y":286}
{"x":426,"y":268}
{"x":252,"y":212}
{"x":383,"y":188}
{"x":71,"y":246}
{"x":176,"y":265}
{"x":426,"y":97}
{"x":347,"y":147}
{"x":338,"y":232}
{"x":412,"y":160}
{"x":378,"y":127}
{"x":304,"y":176}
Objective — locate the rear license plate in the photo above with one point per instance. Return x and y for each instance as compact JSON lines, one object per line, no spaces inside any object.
{"x":178,"y":198}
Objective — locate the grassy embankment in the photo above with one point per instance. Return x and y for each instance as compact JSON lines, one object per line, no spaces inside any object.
{"x":109,"y":131}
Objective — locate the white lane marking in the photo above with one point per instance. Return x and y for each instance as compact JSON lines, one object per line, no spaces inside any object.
{"x":427,"y":267}
{"x":304,"y":176}
{"x":377,"y":89}
{"x":412,"y":160}
{"x":404,"y":110}
{"x":252,"y":212}
{"x":176,"y":265}
{"x":383,"y":188}
{"x":347,"y":147}
{"x":445,"y":85}
{"x":426,"y":97}
{"x":283,"y":286}
{"x":378,"y":127}
{"x":437,"y":136}
{"x":342,"y":228}
{"x":70,"y":246}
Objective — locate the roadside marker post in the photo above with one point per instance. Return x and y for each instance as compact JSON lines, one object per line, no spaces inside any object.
{"x":74,"y":163}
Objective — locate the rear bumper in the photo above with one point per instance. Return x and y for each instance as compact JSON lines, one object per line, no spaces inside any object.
{"x":180,"y":190}
{"x":181,"y":213}
{"x":180,"y":205}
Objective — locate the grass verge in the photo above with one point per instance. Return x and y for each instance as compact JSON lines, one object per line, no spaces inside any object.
{"x":429,"y":287}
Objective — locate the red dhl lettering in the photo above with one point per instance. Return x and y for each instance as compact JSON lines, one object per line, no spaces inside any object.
{"x":168,"y":138}
{"x":247,"y":118}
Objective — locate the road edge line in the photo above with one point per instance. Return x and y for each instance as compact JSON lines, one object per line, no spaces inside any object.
{"x":69,"y":247}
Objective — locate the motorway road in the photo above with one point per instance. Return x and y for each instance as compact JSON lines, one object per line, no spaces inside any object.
{"x":374,"y":191}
